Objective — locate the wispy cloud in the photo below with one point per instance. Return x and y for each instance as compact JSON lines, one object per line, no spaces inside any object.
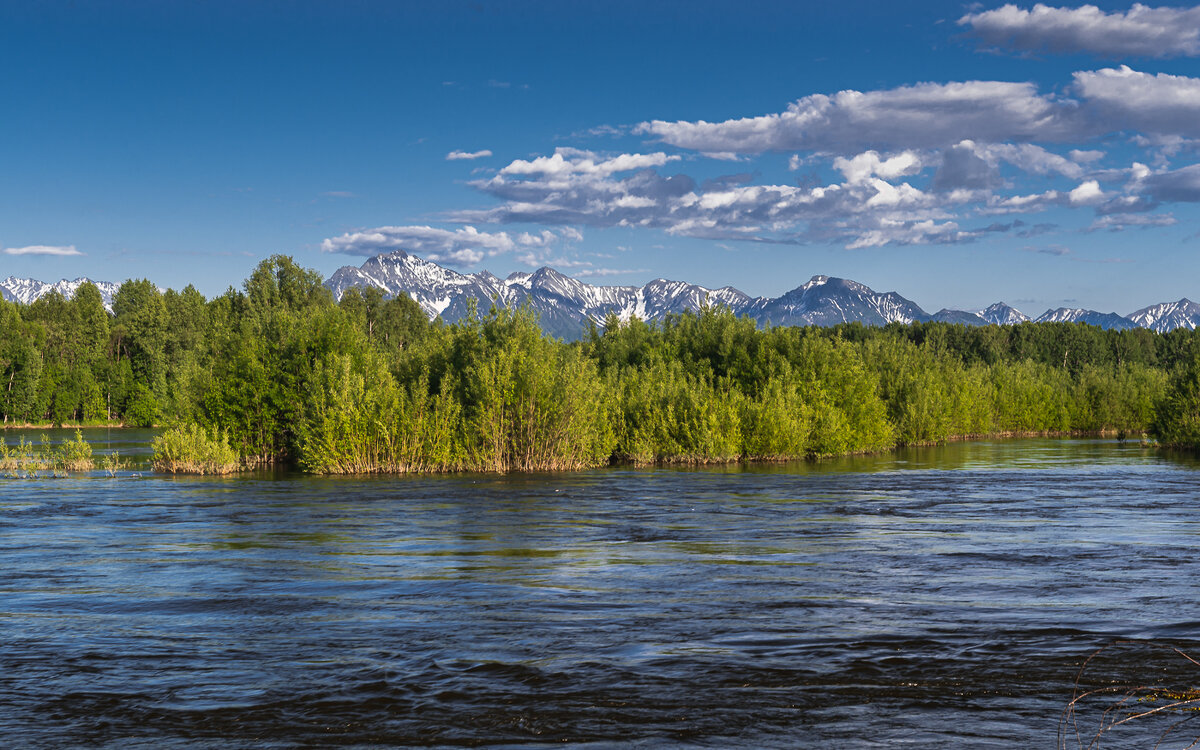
{"x":53,"y":250}
{"x":466,"y":155}
{"x":1141,"y":31}
{"x":1119,"y":222}
{"x":1058,"y":250}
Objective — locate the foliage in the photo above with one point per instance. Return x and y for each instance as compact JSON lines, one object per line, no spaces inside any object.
{"x":367,"y":384}
{"x":191,"y":449}
{"x":1177,"y":415}
{"x":74,"y":454}
{"x":24,"y":459}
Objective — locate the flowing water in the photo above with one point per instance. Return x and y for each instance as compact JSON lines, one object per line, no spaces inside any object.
{"x":932,"y":597}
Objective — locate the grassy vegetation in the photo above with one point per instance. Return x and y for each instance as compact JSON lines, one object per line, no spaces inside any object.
{"x":191,"y":449}
{"x":26,"y":460}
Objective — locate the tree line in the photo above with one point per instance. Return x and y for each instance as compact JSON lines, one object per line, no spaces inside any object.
{"x":280,"y":372}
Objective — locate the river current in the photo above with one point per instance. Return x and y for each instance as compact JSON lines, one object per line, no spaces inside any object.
{"x":942,"y":596}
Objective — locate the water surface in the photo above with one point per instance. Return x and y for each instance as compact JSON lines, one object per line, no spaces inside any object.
{"x":942,"y":595}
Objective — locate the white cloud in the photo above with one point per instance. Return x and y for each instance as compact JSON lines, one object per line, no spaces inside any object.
{"x":464,"y":246}
{"x":1087,"y":194}
{"x":995,"y":114}
{"x":1126,"y":99}
{"x":466,"y":155}
{"x":1141,"y":31}
{"x":1032,"y":159}
{"x":1116,"y":223}
{"x":917,"y":164}
{"x":910,"y":233}
{"x":1085,"y":156}
{"x":569,"y":161}
{"x":924,"y":115}
{"x":868,"y":164}
{"x":1022,"y":203}
{"x":1179,"y":185}
{"x":58,"y":250}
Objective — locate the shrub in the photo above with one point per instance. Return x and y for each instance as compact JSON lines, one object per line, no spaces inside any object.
{"x":74,"y":455}
{"x":190,"y":449}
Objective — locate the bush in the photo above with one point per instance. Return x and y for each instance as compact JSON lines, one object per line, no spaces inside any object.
{"x":74,"y":455}
{"x":190,"y":449}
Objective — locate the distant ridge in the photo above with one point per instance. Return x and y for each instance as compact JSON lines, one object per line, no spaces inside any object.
{"x":26,"y":291}
{"x":566,"y":306}
{"x":1168,"y":316}
{"x":1002,"y":315}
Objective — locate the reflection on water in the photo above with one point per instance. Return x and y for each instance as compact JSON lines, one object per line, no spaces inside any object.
{"x":931,"y":595}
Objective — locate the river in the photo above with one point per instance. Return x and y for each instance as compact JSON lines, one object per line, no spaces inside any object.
{"x":942,"y":596}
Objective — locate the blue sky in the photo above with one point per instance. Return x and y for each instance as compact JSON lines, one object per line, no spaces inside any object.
{"x":959,"y":154}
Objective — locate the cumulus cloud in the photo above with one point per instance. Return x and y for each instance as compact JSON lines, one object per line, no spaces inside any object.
{"x":58,"y":250}
{"x":464,"y":246}
{"x":1084,"y":156}
{"x":869,"y":164}
{"x":569,"y":161}
{"x":1087,"y":194}
{"x":1160,"y":106}
{"x":467,"y":155}
{"x":865,"y":210}
{"x":1141,"y":31}
{"x":1179,"y":185}
{"x":925,"y":115}
{"x":1030,"y":203}
{"x":925,"y":163}
{"x":1126,"y":99}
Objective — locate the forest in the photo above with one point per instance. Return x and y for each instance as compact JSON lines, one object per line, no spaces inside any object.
{"x":278,"y":372}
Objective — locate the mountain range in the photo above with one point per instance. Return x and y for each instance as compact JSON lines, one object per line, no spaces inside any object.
{"x":566,"y":306}
{"x":26,"y":291}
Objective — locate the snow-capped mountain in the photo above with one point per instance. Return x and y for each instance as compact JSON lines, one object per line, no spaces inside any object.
{"x":433,"y":287}
{"x":1168,"y":316}
{"x":564,"y":305}
{"x":26,"y":291}
{"x":826,"y":301}
{"x":1091,"y":317}
{"x":958,"y":316}
{"x":1002,"y":315}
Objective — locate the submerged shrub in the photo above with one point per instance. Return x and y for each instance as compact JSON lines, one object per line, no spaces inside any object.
{"x":25,"y":459}
{"x":190,"y":449}
{"x":74,"y":455}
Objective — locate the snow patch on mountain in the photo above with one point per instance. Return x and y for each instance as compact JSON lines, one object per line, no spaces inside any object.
{"x":26,"y":291}
{"x":1168,"y":316}
{"x":1002,"y":315}
{"x":566,"y":306}
{"x":1091,"y":317}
